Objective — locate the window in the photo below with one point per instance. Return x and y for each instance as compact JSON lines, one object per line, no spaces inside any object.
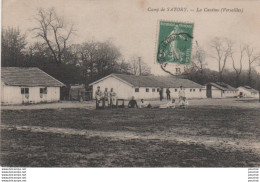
{"x":223,"y":91}
{"x":153,"y":90}
{"x":24,"y":90}
{"x":158,"y":89}
{"x":43,"y":90}
{"x":200,"y":90}
{"x":190,"y":90}
{"x":194,"y":90}
{"x":147,"y":89}
{"x":136,"y":89}
{"x":176,"y":90}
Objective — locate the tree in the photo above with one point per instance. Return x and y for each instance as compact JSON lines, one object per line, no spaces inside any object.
{"x":252,"y":58}
{"x":238,"y":68}
{"x":13,"y":47}
{"x":138,"y":67}
{"x":99,"y":59}
{"x":54,"y":32}
{"x":222,"y":49}
{"x":198,"y":58}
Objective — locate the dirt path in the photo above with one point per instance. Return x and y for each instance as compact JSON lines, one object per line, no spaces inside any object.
{"x":215,"y":142}
{"x":58,"y":105}
{"x":90,"y":105}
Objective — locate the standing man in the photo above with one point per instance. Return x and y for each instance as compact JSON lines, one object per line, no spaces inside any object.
{"x":99,"y":97}
{"x":98,"y":94}
{"x":113,"y":97}
{"x":181,"y":93}
{"x":168,"y":92}
{"x":161,"y":94}
{"x":107,"y":96}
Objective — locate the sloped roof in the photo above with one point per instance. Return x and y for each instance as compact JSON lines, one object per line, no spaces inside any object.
{"x":20,"y":76}
{"x":250,"y":89}
{"x":153,"y":81}
{"x":222,"y":86}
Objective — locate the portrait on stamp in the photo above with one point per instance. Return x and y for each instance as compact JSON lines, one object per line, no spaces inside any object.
{"x":174,"y":42}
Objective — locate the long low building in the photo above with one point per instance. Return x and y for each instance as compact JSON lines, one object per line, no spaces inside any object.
{"x":220,"y":90}
{"x":246,"y":91}
{"x":147,"y":87}
{"x":28,"y":85}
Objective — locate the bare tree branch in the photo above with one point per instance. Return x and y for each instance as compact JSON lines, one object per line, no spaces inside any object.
{"x":52,"y":29}
{"x":222,"y":48}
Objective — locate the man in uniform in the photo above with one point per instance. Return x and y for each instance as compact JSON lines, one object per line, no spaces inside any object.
{"x":184,"y":103}
{"x":161,"y":93}
{"x":181,"y":94}
{"x":113,"y":97}
{"x":170,"y":104}
{"x":145,"y":104}
{"x":168,"y":92}
{"x":98,"y":94}
{"x":132,"y":103}
{"x":107,"y":96}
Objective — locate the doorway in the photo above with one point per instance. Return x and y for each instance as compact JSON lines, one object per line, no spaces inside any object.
{"x":209,"y":91}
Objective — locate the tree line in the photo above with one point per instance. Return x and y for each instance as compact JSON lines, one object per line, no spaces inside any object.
{"x":84,"y":63}
{"x":226,"y":51}
{"x":54,"y":53}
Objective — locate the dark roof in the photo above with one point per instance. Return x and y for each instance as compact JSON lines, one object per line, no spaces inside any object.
{"x":19,"y":76}
{"x":250,"y":89}
{"x":154,"y":81}
{"x":222,"y":86}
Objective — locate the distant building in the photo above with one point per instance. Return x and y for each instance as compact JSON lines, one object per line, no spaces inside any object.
{"x":220,"y":90}
{"x":77,"y":92}
{"x":246,"y":91}
{"x":147,"y":87}
{"x":28,"y":85}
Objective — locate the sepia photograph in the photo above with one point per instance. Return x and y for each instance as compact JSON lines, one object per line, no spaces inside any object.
{"x":140,"y":83}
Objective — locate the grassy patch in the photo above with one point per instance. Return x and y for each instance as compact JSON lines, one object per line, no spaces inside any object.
{"x":52,"y":150}
{"x":26,"y":148}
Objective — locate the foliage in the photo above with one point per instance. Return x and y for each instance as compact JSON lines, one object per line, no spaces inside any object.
{"x":13,"y":47}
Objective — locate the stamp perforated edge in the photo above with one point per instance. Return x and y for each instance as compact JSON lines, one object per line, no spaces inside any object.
{"x":157,"y":37}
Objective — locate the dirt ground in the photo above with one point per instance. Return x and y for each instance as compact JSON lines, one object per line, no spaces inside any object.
{"x":229,"y":102}
{"x":210,"y":133}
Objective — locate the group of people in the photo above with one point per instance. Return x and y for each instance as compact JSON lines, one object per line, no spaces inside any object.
{"x":168,"y":93}
{"x":109,"y":96}
{"x":183,"y":103}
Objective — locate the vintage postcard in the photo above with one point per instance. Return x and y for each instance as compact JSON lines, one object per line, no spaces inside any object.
{"x":130,"y":83}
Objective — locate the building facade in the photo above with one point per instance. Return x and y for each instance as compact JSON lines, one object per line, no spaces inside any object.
{"x":246,"y":91}
{"x":220,"y":90}
{"x":28,"y":85}
{"x":147,"y":87}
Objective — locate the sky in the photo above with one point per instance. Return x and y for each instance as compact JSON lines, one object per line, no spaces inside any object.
{"x":134,"y":29}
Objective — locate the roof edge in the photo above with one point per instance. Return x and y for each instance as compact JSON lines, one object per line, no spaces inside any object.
{"x":113,"y":75}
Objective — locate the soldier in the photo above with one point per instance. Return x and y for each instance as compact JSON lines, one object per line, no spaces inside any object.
{"x":181,"y":94}
{"x":113,"y":97}
{"x":161,"y":94}
{"x":145,"y":104}
{"x":132,"y":103}
{"x":170,"y":104}
{"x":168,"y":92}
{"x":107,"y":96}
{"x":184,"y":103}
{"x":98,"y":94}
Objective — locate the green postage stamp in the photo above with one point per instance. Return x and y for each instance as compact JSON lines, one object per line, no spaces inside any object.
{"x":175,"y":42}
